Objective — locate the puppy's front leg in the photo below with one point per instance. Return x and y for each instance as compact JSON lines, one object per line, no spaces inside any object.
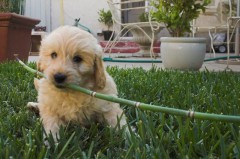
{"x":113,"y":115}
{"x":33,"y":106}
{"x":51,"y":124}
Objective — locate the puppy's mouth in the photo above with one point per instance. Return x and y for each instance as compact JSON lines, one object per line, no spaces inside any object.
{"x":60,"y":86}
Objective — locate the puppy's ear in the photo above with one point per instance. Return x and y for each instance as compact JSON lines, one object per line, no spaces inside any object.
{"x":100,"y":77}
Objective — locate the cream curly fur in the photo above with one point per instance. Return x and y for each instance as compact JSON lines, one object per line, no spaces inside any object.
{"x":58,"y":106}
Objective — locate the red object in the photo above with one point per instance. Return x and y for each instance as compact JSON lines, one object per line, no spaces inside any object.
{"x":15,"y":36}
{"x":128,"y":47}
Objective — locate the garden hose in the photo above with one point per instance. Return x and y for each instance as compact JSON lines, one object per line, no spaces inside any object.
{"x":109,"y":59}
{"x":163,"y":109}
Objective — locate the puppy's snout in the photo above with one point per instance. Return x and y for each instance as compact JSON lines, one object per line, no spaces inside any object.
{"x":60,"y":78}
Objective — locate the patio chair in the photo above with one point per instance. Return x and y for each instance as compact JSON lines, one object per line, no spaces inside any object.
{"x":233,"y":28}
{"x":116,"y":10}
{"x":217,"y":22}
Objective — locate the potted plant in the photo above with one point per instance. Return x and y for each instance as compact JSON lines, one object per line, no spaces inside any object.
{"x":180,"y":52}
{"x":105,"y":17}
{"x":15,"y":30}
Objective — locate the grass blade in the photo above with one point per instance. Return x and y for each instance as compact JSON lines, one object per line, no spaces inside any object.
{"x":65,"y":146}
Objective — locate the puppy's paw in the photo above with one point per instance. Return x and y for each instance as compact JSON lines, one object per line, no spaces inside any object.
{"x":130,"y":135}
{"x":47,"y":144}
{"x":32,"y":106}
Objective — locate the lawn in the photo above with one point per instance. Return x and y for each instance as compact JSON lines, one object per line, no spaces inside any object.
{"x":157,"y":135}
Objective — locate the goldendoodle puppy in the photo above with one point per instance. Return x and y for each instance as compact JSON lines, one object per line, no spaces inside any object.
{"x":70,"y":55}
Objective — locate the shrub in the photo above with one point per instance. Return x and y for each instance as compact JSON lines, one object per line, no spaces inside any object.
{"x":178,"y":14}
{"x":16,"y":6}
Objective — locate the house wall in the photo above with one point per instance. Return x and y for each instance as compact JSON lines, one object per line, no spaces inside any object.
{"x":86,"y":10}
{"x":39,"y":9}
{"x":54,"y":13}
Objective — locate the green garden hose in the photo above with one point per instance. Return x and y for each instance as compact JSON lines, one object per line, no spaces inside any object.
{"x":155,"y":108}
{"x":108,"y":59}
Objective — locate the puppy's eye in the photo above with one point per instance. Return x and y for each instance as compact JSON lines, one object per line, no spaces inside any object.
{"x":54,"y":55}
{"x":77,"y":59}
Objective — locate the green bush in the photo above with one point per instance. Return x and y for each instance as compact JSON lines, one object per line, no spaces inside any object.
{"x":157,"y":135}
{"x":178,"y":15}
{"x":15,"y":6}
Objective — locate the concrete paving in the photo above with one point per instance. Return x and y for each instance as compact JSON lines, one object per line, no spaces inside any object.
{"x":211,"y":66}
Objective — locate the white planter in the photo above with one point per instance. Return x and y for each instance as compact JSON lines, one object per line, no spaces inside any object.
{"x":183,"y":53}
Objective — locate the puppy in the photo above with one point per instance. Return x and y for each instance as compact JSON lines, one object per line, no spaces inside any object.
{"x":70,"y":55}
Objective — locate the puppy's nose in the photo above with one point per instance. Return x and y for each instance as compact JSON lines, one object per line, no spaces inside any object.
{"x":60,"y":78}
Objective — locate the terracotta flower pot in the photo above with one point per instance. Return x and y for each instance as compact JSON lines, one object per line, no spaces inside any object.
{"x":15,"y":33}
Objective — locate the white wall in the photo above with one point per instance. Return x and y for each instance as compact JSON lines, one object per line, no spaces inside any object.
{"x":50,"y":13}
{"x":39,"y":9}
{"x":87,"y":10}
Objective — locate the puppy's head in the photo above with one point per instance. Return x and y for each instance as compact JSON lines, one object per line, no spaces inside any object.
{"x":71,"y":55}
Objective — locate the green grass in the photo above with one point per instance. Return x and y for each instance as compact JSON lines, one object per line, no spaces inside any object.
{"x":158,"y":135}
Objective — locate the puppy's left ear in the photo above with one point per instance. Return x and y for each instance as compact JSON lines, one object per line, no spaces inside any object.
{"x":100,"y":76}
